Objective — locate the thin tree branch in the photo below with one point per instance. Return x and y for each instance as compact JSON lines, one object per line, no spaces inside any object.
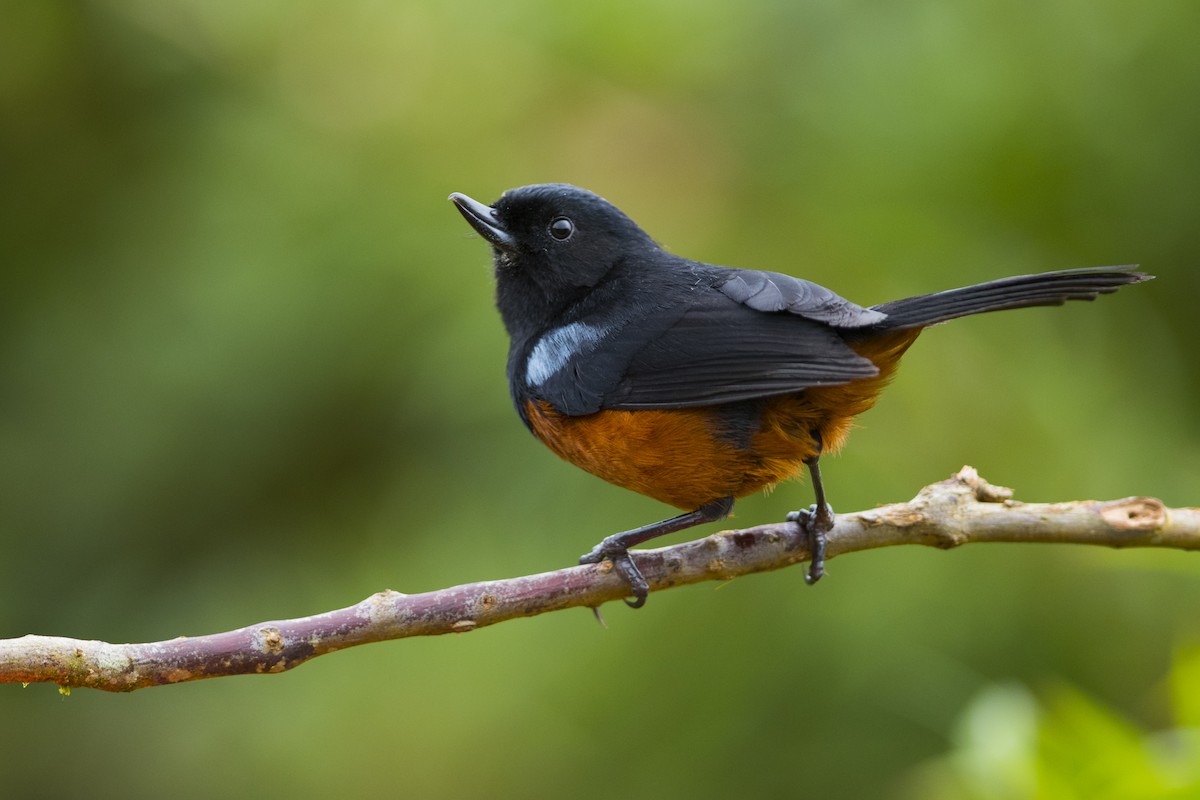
{"x":960,"y":510}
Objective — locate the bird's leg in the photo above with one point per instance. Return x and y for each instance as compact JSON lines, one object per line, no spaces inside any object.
{"x":816,"y":521}
{"x":616,"y":547}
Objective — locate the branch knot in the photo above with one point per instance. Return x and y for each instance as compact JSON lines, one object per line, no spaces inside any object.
{"x":1135,"y":514}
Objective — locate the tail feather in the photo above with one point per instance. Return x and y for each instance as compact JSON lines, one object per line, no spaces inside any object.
{"x":1045,"y":289}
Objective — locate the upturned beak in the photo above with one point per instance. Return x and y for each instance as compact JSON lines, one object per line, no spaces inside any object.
{"x":483,"y":220}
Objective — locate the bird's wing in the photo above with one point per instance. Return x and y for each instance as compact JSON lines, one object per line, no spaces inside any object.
{"x":774,"y":291}
{"x":719,"y":352}
{"x":716,"y":349}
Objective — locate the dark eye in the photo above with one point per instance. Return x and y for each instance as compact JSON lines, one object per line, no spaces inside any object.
{"x":561,"y":228}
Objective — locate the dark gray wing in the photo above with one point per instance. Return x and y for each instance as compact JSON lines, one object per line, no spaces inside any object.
{"x":774,"y":291}
{"x":714,"y":350}
{"x":720,"y":352}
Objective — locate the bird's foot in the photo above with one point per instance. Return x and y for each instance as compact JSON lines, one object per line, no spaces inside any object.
{"x":623,"y":563}
{"x":816,"y":522}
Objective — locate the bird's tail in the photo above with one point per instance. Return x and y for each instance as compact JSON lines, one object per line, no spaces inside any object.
{"x":1045,"y":289}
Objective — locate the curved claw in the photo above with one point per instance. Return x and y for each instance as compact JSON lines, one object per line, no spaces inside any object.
{"x":637,"y":582}
{"x":623,"y":563}
{"x":816,"y":522}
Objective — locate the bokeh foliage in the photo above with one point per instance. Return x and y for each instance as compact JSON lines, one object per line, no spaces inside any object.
{"x":1010,"y":747}
{"x":249,"y":369}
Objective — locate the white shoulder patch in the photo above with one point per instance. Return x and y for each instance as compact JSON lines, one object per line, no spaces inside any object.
{"x":554,"y":350}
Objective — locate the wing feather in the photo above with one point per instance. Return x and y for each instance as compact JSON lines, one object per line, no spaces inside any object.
{"x":715,"y":350}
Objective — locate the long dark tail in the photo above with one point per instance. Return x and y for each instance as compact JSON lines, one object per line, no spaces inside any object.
{"x":1046,"y":289}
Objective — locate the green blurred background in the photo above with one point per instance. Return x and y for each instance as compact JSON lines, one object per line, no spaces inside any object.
{"x":250,"y":369}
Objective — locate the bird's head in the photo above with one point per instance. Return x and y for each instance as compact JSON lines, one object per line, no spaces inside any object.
{"x":556,"y":236}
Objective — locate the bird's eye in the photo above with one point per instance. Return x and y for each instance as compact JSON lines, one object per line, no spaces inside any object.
{"x":561,"y":228}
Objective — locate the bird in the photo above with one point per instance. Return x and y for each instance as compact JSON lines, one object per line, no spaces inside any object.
{"x":693,"y":383}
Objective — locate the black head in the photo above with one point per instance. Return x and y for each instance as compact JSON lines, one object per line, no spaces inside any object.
{"x":557,"y":237}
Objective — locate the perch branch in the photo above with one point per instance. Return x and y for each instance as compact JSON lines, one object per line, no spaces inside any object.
{"x":960,"y":510}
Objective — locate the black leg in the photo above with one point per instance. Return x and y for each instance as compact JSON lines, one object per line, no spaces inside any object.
{"x":816,"y":521}
{"x":616,"y":547}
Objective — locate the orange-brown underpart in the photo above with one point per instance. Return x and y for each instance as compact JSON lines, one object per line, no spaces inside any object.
{"x":679,"y":456}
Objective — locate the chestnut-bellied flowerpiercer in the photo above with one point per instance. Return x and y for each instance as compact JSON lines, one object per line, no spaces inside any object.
{"x":692,"y":383}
